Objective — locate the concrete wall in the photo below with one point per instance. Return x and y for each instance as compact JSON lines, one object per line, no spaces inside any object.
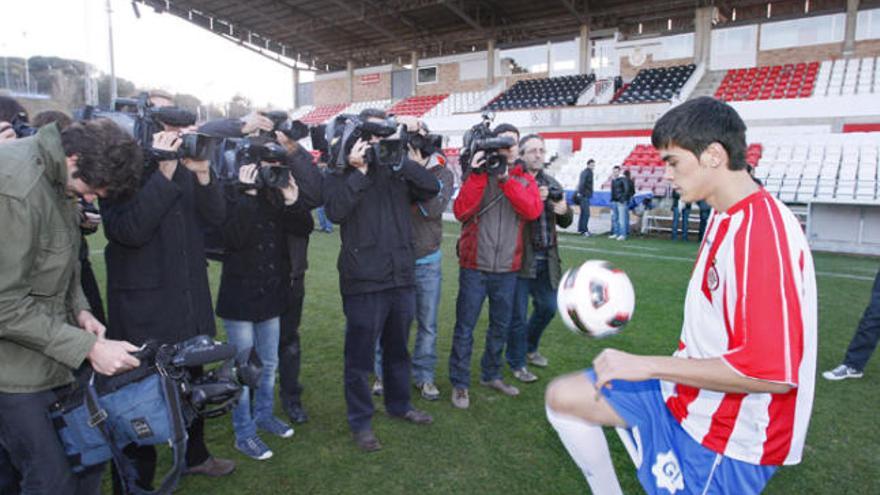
{"x":449,"y":81}
{"x":366,"y":90}
{"x":330,"y":91}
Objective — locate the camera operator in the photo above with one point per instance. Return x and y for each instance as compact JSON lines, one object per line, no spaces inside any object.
{"x":10,"y":109}
{"x":157,"y":279}
{"x":427,"y":222}
{"x":308,"y":178}
{"x":541,"y":269}
{"x":46,"y":327}
{"x":371,"y":202}
{"x":493,"y":210}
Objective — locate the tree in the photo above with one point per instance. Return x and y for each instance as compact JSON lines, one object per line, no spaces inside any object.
{"x":239,"y":106}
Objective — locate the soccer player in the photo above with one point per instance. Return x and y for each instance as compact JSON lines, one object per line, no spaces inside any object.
{"x":733,"y":402}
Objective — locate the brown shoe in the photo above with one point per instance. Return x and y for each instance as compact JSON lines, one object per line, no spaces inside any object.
{"x":499,"y":385}
{"x":366,"y":440}
{"x":213,"y":467}
{"x":415,"y":416}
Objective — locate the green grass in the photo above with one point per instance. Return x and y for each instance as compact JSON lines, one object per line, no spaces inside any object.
{"x":505,"y":445}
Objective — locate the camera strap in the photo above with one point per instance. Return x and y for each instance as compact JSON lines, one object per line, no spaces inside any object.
{"x":494,"y":201}
{"x":98,"y":419}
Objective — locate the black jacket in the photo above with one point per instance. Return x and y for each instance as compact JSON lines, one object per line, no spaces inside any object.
{"x":256,"y":267}
{"x":618,"y":189}
{"x":585,"y":184}
{"x":373,"y":211}
{"x":157,"y":279}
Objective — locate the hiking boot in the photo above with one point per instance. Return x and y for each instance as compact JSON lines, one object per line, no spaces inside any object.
{"x":537,"y":359}
{"x":842,"y":372}
{"x":499,"y":385}
{"x":377,"y":388}
{"x":415,"y":416}
{"x":213,"y":467}
{"x":429,"y":391}
{"x":366,"y":440}
{"x":524,"y":375}
{"x":254,"y":448}
{"x":460,"y":398}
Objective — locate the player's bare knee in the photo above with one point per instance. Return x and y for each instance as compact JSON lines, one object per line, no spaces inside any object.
{"x":565,"y":395}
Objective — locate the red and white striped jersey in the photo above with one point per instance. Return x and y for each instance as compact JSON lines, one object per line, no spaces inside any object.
{"x":752,"y":302}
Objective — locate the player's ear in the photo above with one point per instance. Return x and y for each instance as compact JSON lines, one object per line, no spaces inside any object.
{"x":714,"y":156}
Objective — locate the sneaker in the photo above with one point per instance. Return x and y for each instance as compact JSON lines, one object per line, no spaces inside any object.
{"x":842,"y":372}
{"x":460,"y":398}
{"x":621,"y":238}
{"x":415,"y":416}
{"x":377,"y":388}
{"x":499,"y":385}
{"x":612,"y":236}
{"x":524,"y":375}
{"x":276,"y":427}
{"x":429,"y":391}
{"x":366,"y":440}
{"x":586,"y":234}
{"x":537,"y":359}
{"x":214,"y":467}
{"x":254,"y":448}
{"x":296,"y":413}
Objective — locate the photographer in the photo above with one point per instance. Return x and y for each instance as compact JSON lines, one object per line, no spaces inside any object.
{"x":10,"y":111}
{"x":493,"y":208}
{"x":541,"y":268}
{"x":427,"y":221}
{"x":157,"y":279}
{"x":46,"y":327}
{"x":308,"y":178}
{"x":371,"y":202}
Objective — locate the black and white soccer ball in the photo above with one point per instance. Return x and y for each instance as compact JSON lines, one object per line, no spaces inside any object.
{"x":595,"y":299}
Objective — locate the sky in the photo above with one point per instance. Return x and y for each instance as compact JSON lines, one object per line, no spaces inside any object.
{"x":155,"y":51}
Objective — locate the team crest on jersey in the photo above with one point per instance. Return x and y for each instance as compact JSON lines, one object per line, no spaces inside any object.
{"x":712,"y":279}
{"x":667,"y":472}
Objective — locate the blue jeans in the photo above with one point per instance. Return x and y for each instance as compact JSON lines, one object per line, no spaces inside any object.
{"x":615,"y":223}
{"x":324,"y":222}
{"x":424,"y":358}
{"x":584,"y":218}
{"x":473,"y":287}
{"x":263,"y":336}
{"x":525,"y":334}
{"x":623,"y":218}
{"x":676,"y":220}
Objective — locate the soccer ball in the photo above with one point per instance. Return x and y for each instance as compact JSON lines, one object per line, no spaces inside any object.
{"x":595,"y":299}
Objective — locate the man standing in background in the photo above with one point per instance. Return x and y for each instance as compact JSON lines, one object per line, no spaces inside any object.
{"x":584,"y":194}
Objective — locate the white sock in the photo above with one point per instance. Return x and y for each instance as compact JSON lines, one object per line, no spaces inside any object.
{"x":586,"y":444}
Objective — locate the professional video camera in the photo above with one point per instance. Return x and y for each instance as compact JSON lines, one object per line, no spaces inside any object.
{"x":237,"y":152}
{"x":293,"y":129}
{"x":21,"y":127}
{"x":481,"y":138}
{"x":343,"y":131}
{"x":141,"y":119}
{"x":426,"y":144}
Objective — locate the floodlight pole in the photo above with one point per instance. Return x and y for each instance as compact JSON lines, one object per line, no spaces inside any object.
{"x":113,"y":91}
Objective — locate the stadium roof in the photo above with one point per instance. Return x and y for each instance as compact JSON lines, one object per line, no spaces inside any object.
{"x":325,"y":34}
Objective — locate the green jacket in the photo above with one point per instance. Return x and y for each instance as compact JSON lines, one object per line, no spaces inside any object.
{"x":40,"y":291}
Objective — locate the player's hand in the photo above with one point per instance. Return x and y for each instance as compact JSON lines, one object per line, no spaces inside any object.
{"x":356,"y":157}
{"x":256,"y":121}
{"x":612,"y":364}
{"x":247,"y":175}
{"x":89,"y":323}
{"x":109,"y":357}
{"x":7,"y":133}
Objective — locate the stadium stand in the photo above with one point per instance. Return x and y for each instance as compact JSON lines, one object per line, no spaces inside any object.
{"x":468,"y":101}
{"x":299,"y":113}
{"x":362,"y":105}
{"x":658,"y":84}
{"x":769,"y":82}
{"x":848,"y":77}
{"x":416,"y":105}
{"x":323,"y":113}
{"x":543,"y":93}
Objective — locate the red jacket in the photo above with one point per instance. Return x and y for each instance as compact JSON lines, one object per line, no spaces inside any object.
{"x":492,"y":241}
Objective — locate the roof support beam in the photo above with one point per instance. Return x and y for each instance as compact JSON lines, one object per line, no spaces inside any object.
{"x":459,"y":11}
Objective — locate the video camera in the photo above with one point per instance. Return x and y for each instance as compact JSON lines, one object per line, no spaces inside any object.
{"x":293,"y":129}
{"x":341,"y":134}
{"x":237,"y":152}
{"x":21,"y":127}
{"x":141,"y":119}
{"x":481,"y":138}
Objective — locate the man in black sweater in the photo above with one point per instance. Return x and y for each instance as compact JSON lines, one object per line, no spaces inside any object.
{"x":584,"y":194}
{"x":371,"y":203}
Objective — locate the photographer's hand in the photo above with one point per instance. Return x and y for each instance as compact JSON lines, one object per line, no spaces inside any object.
{"x":89,"y":323}
{"x":560,"y":207}
{"x":247,"y":174}
{"x":290,"y":192}
{"x":202,"y":169}
{"x":416,"y":156}
{"x":410,"y":122}
{"x":7,"y":133}
{"x":109,"y":357}
{"x":478,"y":161}
{"x":256,"y":121}
{"x":289,"y":144}
{"x":167,"y":141}
{"x":356,"y":157}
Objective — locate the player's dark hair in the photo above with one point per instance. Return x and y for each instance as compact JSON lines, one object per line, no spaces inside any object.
{"x":9,"y":108}
{"x":107,"y":156}
{"x":48,"y":116}
{"x":697,"y":123}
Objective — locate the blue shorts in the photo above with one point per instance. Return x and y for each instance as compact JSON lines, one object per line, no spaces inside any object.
{"x":667,"y":459}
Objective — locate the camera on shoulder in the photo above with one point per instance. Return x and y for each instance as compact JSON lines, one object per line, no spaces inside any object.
{"x":481,"y":138}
